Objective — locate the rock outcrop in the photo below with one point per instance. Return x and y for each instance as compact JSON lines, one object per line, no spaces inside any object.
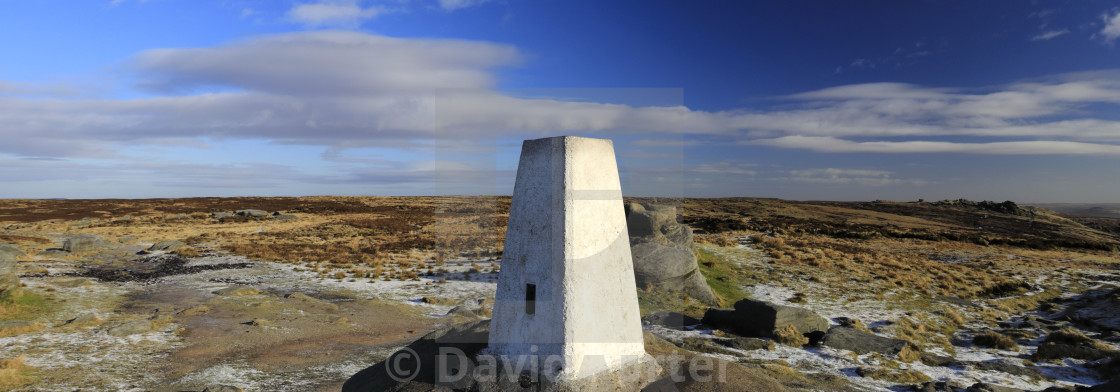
{"x":82,"y":243}
{"x":662,"y":252}
{"x":166,"y":245}
{"x":860,"y":342}
{"x":252,"y":213}
{"x":672,"y":320}
{"x":764,"y":320}
{"x":1096,"y":308}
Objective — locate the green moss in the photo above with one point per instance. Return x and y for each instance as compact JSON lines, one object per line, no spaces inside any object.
{"x":724,"y":280}
{"x":24,"y":305}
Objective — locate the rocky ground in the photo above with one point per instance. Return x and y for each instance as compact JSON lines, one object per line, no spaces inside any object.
{"x":185,"y":295}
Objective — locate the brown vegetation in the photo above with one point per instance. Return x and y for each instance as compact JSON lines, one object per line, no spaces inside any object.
{"x":994,"y":339}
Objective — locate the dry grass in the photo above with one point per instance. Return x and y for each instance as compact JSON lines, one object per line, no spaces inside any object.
{"x":14,"y":373}
{"x":1073,"y":337}
{"x":23,"y":328}
{"x":896,"y":376}
{"x":24,"y":304}
{"x":992,"y":339}
{"x":23,"y":239}
{"x":790,"y":336}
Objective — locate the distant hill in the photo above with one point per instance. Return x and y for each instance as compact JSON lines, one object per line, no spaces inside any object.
{"x":981,"y":222}
{"x":1106,"y":210}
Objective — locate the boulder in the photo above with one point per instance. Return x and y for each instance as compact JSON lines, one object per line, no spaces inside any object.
{"x":662,"y":252}
{"x":861,"y":342}
{"x":1096,"y":308}
{"x":166,"y":246}
{"x":763,"y":319}
{"x":672,"y":320}
{"x":10,"y":251}
{"x":935,"y":386}
{"x":1052,"y":350}
{"x":983,"y":387}
{"x":1111,"y":386}
{"x":82,"y":243}
{"x":252,"y":213}
{"x":221,"y":214}
{"x":223,"y":388}
{"x":746,"y":344}
{"x":936,"y":360}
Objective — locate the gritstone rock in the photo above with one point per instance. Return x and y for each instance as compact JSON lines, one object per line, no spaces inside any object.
{"x":662,"y":252}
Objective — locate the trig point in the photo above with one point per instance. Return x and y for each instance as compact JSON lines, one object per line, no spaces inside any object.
{"x":566,"y":301}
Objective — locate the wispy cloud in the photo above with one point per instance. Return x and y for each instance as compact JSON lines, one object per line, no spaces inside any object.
{"x":665,"y":143}
{"x":1046,"y":36}
{"x":451,"y":5}
{"x":339,"y":13}
{"x":336,"y":63}
{"x":900,"y":56}
{"x":1111,"y":29}
{"x":846,"y":176}
{"x":831,"y":144}
{"x":345,"y":90}
{"x":725,"y":168}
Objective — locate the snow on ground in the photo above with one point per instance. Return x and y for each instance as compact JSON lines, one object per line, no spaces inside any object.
{"x":117,"y":363}
{"x":282,"y":277}
{"x":841,"y":362}
{"x":122,"y":363}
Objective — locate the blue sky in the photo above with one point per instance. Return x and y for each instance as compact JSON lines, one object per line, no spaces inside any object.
{"x":808,"y":100}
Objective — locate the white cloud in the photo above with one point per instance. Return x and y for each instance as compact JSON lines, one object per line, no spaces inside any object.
{"x":344,"y":13}
{"x":25,"y":89}
{"x":831,"y":144}
{"x":451,"y":5}
{"x":1111,"y":28}
{"x":341,"y":89}
{"x":846,"y":176}
{"x":677,"y":143}
{"x":1046,"y":36}
{"x":327,"y":63}
{"x":862,"y":177}
{"x":724,"y":168}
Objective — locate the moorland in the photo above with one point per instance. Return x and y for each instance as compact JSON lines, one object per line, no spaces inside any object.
{"x":301,"y":293}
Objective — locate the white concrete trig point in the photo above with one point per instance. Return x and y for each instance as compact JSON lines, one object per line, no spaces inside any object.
{"x":566,"y":302}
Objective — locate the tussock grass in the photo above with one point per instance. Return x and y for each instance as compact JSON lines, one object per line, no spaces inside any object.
{"x":14,"y":373}
{"x":896,"y":376}
{"x":790,"y":336}
{"x":993,"y":339}
{"x":1074,"y":337}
